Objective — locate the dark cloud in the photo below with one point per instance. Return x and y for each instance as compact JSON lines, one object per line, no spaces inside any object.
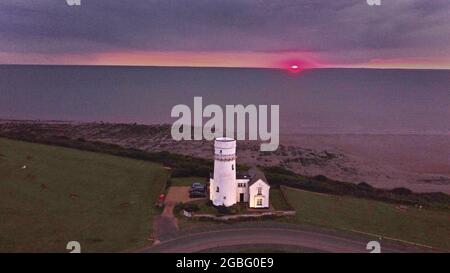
{"x":341,"y":30}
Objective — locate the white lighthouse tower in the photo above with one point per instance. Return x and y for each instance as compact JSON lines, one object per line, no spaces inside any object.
{"x":223,"y":184}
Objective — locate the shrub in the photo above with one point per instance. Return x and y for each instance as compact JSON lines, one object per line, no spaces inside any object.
{"x":190,"y":207}
{"x":178,"y":207}
{"x":223,"y":210}
{"x":401,"y":191}
{"x":365,"y":186}
{"x":235,"y":209}
{"x":321,"y":177}
{"x":168,"y":183}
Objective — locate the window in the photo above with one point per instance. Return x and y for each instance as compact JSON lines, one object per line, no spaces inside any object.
{"x":259,"y":190}
{"x":232,"y":167}
{"x":220,"y":151}
{"x":217,"y":189}
{"x":259,"y":202}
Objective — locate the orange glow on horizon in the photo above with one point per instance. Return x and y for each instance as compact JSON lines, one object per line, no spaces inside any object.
{"x":177,"y":59}
{"x":203,"y":59}
{"x":278,"y":60}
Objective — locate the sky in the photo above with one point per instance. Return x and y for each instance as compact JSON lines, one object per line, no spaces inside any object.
{"x":227,"y":33}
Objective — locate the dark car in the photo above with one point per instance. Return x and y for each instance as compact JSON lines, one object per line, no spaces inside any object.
{"x":198,"y":187}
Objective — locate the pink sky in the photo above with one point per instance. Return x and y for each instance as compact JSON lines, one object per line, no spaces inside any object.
{"x":217,"y":59}
{"x":227,"y":33}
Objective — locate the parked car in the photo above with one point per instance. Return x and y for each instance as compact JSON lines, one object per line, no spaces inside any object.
{"x":197,"y":187}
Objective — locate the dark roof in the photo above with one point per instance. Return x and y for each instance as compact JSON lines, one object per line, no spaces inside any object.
{"x":242,"y":175}
{"x":255,"y":175}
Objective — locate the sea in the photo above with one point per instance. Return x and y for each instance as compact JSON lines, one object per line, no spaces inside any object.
{"x":315,"y":101}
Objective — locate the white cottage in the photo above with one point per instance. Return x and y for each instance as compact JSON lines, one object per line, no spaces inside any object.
{"x":226,"y":188}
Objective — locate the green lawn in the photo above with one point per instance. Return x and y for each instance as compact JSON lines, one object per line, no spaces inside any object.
{"x":187,"y":181}
{"x":429,"y":227}
{"x":104,"y":202}
{"x":277,"y":200}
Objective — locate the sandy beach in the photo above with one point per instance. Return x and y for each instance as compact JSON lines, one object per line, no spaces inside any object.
{"x":418,"y":162}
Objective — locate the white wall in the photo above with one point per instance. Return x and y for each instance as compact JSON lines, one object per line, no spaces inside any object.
{"x":243,"y":190}
{"x":253,"y":194}
{"x":224,"y":173}
{"x":211,"y":192}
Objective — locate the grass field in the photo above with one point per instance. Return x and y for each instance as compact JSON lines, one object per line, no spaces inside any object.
{"x":277,"y":200}
{"x":51,"y":195}
{"x":428,"y":227}
{"x":187,"y":181}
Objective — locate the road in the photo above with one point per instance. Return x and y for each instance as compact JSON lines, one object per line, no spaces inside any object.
{"x":271,"y":234}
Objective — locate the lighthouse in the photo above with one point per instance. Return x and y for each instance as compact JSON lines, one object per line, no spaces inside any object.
{"x":226,"y":188}
{"x":223,"y":184}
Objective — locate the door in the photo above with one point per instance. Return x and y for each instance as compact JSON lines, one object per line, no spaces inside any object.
{"x":241,"y":197}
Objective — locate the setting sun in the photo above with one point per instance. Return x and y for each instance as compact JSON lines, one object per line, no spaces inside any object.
{"x":294,"y":68}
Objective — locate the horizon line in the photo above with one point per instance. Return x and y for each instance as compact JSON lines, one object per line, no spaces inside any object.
{"x":229,"y":67}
